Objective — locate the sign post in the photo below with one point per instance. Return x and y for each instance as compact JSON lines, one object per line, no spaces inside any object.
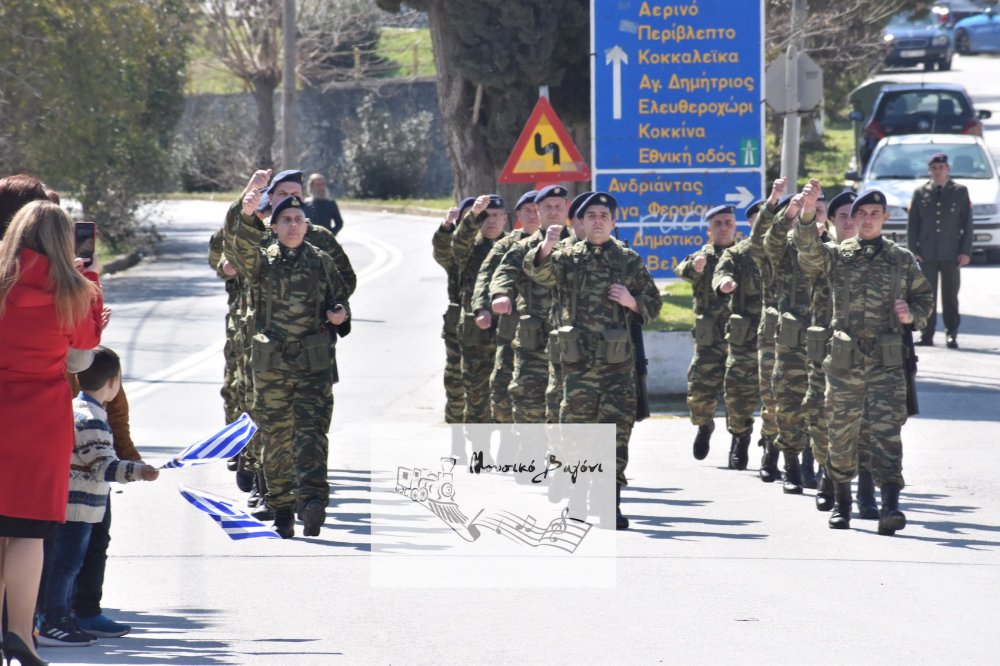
{"x":677,"y":117}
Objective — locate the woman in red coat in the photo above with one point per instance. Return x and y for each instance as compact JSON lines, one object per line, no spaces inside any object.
{"x":46,"y":306}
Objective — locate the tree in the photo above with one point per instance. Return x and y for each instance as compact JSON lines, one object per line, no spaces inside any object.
{"x":491,"y":57}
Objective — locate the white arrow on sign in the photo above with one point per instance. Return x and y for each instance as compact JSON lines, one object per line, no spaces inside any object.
{"x":617,"y":56}
{"x":742,"y":198}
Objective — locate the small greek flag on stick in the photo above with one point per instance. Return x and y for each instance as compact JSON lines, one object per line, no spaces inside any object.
{"x":223,"y":445}
{"x":234,"y":522}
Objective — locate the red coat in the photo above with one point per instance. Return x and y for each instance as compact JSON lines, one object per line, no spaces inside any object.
{"x":36,"y":410}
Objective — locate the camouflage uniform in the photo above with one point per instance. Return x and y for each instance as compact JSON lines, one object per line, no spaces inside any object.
{"x":554,"y":387}
{"x":233,"y":398}
{"x":741,"y":388}
{"x":708,"y":364}
{"x":454,"y":390}
{"x":531,"y":360}
{"x":866,"y":401}
{"x":814,"y":404}
{"x":598,"y":390}
{"x":292,"y":400}
{"x":470,"y":248}
{"x":501,"y":407}
{"x":765,"y":333}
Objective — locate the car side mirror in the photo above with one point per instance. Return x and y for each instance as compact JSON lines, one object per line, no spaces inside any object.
{"x":856,"y":116}
{"x":852,"y":175}
{"x":984,"y":114}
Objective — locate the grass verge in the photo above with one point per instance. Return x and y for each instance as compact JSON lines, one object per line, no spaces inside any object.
{"x":677,"y":313}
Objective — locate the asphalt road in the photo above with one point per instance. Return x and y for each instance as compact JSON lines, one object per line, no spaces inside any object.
{"x":719,"y":567}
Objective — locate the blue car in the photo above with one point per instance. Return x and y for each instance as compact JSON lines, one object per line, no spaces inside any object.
{"x":915,"y":38}
{"x":979,"y":33}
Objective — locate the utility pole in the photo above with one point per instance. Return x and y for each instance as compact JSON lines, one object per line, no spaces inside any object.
{"x":793,"y":120}
{"x":289,"y":153}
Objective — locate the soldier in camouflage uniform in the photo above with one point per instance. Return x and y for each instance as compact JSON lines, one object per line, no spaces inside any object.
{"x":232,"y":398}
{"x":877,"y":288}
{"x":473,"y":239}
{"x":708,"y":364}
{"x":301,"y":309}
{"x":534,"y":303}
{"x":607,"y":286}
{"x":501,"y":405}
{"x":737,"y":278}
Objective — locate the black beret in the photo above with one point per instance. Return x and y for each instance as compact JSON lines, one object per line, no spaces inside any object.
{"x":720,"y":210}
{"x":938,"y":158}
{"x":783,"y":201}
{"x":526,"y":198}
{"x":868,"y":197}
{"x":551,"y":191}
{"x":496,"y":201}
{"x":574,"y":207}
{"x":286,"y":203}
{"x":842,"y":199}
{"x":289,"y":175}
{"x":754,"y":207}
{"x":597,"y":199}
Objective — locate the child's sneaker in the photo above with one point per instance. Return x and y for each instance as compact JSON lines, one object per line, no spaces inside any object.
{"x":64,"y":633}
{"x":103,"y":626}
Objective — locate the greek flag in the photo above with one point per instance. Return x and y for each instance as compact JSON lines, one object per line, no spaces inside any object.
{"x":223,"y":445}
{"x":234,"y":522}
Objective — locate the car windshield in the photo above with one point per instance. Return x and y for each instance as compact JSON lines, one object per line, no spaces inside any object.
{"x":914,"y":20}
{"x":943,"y":105}
{"x":909,"y":161}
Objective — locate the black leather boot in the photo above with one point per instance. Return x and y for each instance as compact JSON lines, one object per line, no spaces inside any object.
{"x":824,"y":492}
{"x":769,"y":463}
{"x":701,"y":441}
{"x":793,"y":474}
{"x":808,"y":475}
{"x":284,"y":523}
{"x":262,"y":511}
{"x":840,"y":517}
{"x":621,"y":522}
{"x":867,"y":506}
{"x":738,"y":452}
{"x":890,"y":519}
{"x":244,"y":475}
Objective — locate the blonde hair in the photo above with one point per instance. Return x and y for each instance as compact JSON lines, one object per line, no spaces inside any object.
{"x":43,"y":227}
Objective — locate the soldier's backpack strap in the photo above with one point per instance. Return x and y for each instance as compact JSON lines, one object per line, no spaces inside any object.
{"x":618,"y":275}
{"x":741,"y":297}
{"x":705,"y":287}
{"x":894,"y":287}
{"x":268,"y":295}
{"x":795,"y":283}
{"x":844,"y":300}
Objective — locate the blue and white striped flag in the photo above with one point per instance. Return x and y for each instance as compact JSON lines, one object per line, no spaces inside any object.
{"x":234,"y":522}
{"x":223,"y":445}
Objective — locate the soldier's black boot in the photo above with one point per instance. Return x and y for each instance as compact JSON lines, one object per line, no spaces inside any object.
{"x":824,"y":492}
{"x":840,"y":517}
{"x":284,"y":523}
{"x":621,"y":522}
{"x":233,"y":463}
{"x":701,"y":441}
{"x":738,"y":452}
{"x":808,"y":475}
{"x":867,"y":506}
{"x":769,"y":462}
{"x":263,"y":511}
{"x":890,"y":519}
{"x":255,"y":497}
{"x":244,"y":475}
{"x":793,"y":474}
{"x":312,"y":515}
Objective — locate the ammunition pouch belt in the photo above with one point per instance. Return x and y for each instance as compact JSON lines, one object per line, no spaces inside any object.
{"x":816,"y":339}
{"x":740,"y":329}
{"x":317,"y":351}
{"x":704,"y":330}
{"x":791,"y":331}
{"x":841,"y":351}
{"x":530,"y":332}
{"x":570,"y":344}
{"x":506,"y":328}
{"x":262,"y":352}
{"x":890,"y":346}
{"x":472,"y":335}
{"x":614,"y":345}
{"x":769,"y":323}
{"x":452,"y":316}
{"x":555,"y":353}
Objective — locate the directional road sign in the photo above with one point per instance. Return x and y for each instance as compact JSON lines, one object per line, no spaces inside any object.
{"x":677,"y":90}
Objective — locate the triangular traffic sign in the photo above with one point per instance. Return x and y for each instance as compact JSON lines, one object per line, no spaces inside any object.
{"x":544,"y":151}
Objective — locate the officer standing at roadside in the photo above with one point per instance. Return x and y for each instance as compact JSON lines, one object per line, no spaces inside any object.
{"x":939,"y":233}
{"x":877,"y":288}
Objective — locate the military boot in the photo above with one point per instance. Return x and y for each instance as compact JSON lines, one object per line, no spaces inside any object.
{"x":738,"y":455}
{"x":263,"y":511}
{"x":621,"y":522}
{"x":840,"y":517}
{"x":233,"y":463}
{"x":867,"y":506}
{"x":890,"y":519}
{"x":312,"y":515}
{"x":793,"y":474}
{"x":284,"y":523}
{"x":824,"y":492}
{"x":808,"y":475}
{"x":701,"y":441}
{"x":255,"y":497}
{"x":769,"y":462}
{"x":244,"y":475}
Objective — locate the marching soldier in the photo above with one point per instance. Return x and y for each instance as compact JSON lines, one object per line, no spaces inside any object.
{"x":708,"y":365}
{"x":607,"y":286}
{"x":877,"y":288}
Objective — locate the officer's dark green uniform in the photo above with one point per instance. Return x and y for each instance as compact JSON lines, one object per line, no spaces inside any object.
{"x":293,"y":363}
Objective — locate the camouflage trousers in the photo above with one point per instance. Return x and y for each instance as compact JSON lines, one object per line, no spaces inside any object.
{"x":233,"y":398}
{"x":454,"y":390}
{"x":814,"y":409}
{"x":501,"y":409}
{"x":477,"y":365}
{"x":865,"y":409}
{"x":553,"y":392}
{"x":529,"y":386}
{"x":765,"y":369}
{"x":742,"y":391}
{"x":706,"y":376}
{"x":789,"y":383}
{"x":602,"y":393}
{"x":293,"y":408}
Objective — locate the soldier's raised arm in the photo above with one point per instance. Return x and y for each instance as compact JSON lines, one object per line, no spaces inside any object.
{"x":724,"y":276}
{"x":815,"y":258}
{"x":217,"y":258}
{"x":464,"y":238}
{"x":243,"y":235}
{"x":692,"y":268}
{"x":504,"y":282}
{"x":764,"y":221}
{"x":441,"y":241}
{"x":481,"y":290}
{"x":776,"y":239}
{"x":543,"y":264}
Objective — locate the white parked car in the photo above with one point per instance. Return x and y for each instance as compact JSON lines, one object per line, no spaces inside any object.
{"x":899,"y":165}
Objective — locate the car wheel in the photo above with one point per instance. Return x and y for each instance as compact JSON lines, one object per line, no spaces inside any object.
{"x":929,"y":66}
{"x":993,"y":256}
{"x":962,"y":42}
{"x":945,"y":65}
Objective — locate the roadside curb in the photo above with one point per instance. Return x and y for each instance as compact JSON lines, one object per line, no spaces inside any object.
{"x":669,"y":355}
{"x":122,"y":262}
{"x":401,"y":210}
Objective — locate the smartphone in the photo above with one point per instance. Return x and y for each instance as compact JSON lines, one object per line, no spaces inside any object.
{"x":85,"y":241}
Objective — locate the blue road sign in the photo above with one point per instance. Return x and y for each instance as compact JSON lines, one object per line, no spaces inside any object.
{"x":677,"y":90}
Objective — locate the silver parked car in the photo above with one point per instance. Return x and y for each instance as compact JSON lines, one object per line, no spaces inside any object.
{"x":899,"y":165}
